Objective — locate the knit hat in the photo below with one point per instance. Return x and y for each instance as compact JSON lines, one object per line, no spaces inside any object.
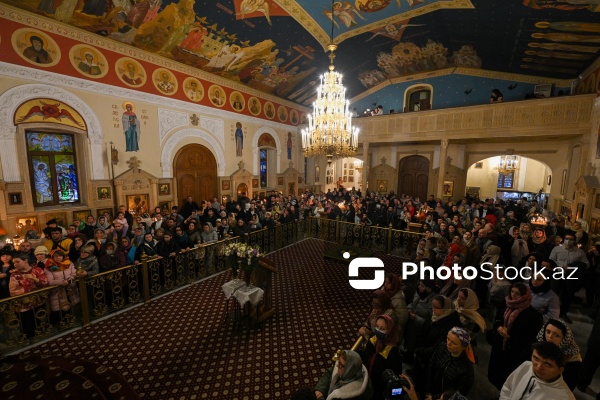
{"x":41,"y":250}
{"x":462,"y":335}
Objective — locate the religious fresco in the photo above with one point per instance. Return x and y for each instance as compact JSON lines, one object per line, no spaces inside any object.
{"x":130,"y":72}
{"x":48,"y":111}
{"x":193,"y":89}
{"x":88,"y":61}
{"x":36,"y":47}
{"x":277,"y":46}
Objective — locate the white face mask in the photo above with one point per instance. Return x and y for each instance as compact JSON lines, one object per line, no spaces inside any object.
{"x":569,"y":243}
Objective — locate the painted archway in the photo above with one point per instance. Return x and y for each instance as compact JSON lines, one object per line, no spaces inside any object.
{"x":13,"y":98}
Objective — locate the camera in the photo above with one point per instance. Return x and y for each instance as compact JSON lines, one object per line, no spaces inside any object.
{"x":394,"y":385}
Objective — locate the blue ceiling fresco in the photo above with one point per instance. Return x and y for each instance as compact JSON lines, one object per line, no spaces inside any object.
{"x":278,"y":46}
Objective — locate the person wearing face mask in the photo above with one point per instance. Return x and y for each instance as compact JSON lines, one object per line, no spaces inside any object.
{"x":573,"y":261}
{"x":381,"y":303}
{"x":381,"y":353}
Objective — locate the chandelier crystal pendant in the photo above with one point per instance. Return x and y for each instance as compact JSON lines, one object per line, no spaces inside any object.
{"x":330,"y":131}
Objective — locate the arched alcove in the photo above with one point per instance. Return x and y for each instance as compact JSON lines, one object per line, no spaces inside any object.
{"x":510,"y":177}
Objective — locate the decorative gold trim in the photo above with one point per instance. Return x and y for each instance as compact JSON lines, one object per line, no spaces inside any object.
{"x":306,"y":20}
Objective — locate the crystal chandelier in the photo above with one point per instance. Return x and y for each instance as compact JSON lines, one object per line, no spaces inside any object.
{"x":330,"y":132}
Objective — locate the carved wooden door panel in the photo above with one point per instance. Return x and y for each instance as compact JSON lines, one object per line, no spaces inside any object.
{"x":196,"y":173}
{"x":413,"y":176}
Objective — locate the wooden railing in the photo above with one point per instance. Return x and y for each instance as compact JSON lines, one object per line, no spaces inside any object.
{"x":28,"y":319}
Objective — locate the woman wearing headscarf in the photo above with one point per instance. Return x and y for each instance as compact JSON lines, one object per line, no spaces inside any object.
{"x":467,"y":305}
{"x":393,"y":287}
{"x":512,"y":334}
{"x":102,"y":223}
{"x":451,"y":366}
{"x":434,"y":331}
{"x":124,"y":248}
{"x":380,"y":304}
{"x":558,"y":332}
{"x":443,"y":318}
{"x":538,"y":243}
{"x":347,"y":379}
{"x":422,"y":250}
{"x":381,"y":353}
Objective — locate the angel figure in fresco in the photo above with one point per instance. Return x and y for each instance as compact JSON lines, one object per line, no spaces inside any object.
{"x":250,"y":6}
{"x":227,"y":56}
{"x":392,"y":30}
{"x":344,"y":12}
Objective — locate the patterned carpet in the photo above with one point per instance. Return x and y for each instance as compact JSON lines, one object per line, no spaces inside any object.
{"x":179,"y":347}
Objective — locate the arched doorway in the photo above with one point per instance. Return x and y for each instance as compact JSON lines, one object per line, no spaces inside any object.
{"x":242,"y":190}
{"x":195,"y":169}
{"x":413,"y":176}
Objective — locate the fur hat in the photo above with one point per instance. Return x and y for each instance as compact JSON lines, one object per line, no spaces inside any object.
{"x":41,"y":250}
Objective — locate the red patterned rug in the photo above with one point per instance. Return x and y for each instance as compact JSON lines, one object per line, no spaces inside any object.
{"x":179,"y":347}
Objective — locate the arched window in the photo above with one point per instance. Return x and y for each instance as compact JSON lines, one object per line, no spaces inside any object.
{"x":52,"y":168}
{"x":267,"y":160}
{"x":418,"y":98}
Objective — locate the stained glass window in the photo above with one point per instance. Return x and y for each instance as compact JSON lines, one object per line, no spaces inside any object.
{"x":263,"y":168}
{"x":53,"y":168}
{"x":505,"y":181}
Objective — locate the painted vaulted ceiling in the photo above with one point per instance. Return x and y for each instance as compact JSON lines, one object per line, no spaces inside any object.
{"x":278,"y":46}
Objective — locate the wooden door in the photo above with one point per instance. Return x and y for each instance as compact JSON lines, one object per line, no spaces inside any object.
{"x":413,"y":176}
{"x":196,"y":173}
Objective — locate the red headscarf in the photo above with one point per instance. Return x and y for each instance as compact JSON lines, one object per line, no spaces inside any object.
{"x":514,"y":308}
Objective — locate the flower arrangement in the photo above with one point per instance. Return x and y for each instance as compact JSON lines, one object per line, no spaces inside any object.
{"x":242,"y":255}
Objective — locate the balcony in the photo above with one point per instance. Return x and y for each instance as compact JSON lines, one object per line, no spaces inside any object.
{"x":554,"y":117}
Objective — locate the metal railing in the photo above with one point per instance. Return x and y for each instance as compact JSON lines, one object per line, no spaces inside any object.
{"x":28,"y":319}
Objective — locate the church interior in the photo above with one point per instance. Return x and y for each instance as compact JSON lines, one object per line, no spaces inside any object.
{"x":144,"y":103}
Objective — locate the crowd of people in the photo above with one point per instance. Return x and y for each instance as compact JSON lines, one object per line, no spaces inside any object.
{"x":430,"y":324}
